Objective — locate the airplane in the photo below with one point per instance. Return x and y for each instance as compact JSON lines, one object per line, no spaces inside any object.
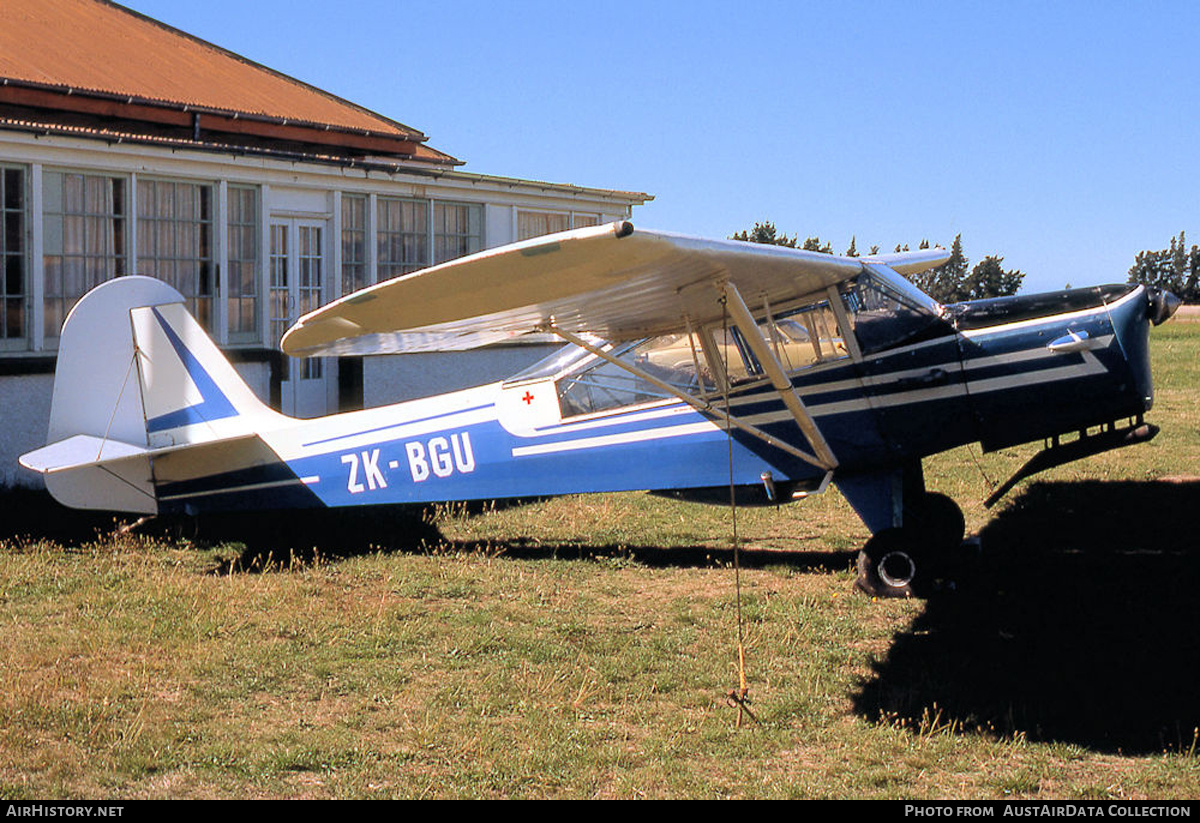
{"x":691,"y":366}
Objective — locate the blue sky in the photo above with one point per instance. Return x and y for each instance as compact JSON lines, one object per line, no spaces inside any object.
{"x":1063,"y":136}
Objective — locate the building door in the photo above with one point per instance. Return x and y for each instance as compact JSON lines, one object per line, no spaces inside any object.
{"x":298,"y":287}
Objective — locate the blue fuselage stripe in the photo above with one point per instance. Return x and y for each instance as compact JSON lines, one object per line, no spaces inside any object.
{"x":214,"y":404}
{"x":413,"y":422}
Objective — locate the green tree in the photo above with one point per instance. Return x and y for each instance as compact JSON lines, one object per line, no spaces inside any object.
{"x":949,"y":277}
{"x":765,"y":233}
{"x":1175,"y":268}
{"x":1191,"y":289}
{"x":950,"y":282}
{"x":944,"y":283}
{"x":990,"y":279}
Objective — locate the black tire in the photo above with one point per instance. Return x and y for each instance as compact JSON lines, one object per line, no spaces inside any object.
{"x":936,"y":520}
{"x":892,"y":565}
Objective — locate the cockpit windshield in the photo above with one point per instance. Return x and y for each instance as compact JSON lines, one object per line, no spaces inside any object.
{"x":554,"y":365}
{"x":888,"y":311}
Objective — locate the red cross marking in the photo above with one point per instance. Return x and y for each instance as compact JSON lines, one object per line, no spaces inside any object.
{"x":528,"y":398}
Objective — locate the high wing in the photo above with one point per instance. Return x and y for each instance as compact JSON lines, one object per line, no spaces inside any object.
{"x":611,"y":281}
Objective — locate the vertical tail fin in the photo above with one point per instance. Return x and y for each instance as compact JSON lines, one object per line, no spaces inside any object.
{"x":135,"y":372}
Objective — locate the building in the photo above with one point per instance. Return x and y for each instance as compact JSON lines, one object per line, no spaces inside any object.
{"x":127,"y":146}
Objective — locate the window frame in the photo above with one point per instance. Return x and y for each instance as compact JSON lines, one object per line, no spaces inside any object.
{"x":201,"y":305}
{"x":117,"y":263}
{"x":572,"y":220}
{"x":229,"y":264}
{"x":420,"y":237}
{"x":476,"y":240}
{"x":354,"y":270}
{"x":20,"y":259}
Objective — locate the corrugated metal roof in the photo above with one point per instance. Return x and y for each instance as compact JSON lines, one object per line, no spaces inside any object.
{"x":97,"y":48}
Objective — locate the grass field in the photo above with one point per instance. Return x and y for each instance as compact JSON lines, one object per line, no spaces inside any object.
{"x":584,"y":646}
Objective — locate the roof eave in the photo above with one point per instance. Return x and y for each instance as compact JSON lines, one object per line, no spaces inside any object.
{"x":402,"y":142}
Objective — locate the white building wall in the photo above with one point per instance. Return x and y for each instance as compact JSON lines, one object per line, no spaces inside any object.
{"x":25,"y":414}
{"x":257,"y":377}
{"x":498,"y":224}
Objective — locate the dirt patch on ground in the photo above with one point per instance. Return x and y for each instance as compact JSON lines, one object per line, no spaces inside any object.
{"x":1188,"y":314}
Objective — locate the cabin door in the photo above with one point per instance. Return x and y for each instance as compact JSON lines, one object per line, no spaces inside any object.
{"x":298,"y":287}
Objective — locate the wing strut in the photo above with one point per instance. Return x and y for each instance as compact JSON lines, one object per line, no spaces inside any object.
{"x":698,"y":404}
{"x":779,"y":379}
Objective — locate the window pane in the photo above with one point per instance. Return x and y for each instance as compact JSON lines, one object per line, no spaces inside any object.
{"x":535,"y":224}
{"x":242,"y":300}
{"x":12,"y":253}
{"x":403,"y":236}
{"x":177,"y":218}
{"x":882,"y":317}
{"x":84,"y":238}
{"x":458,"y":231}
{"x":354,"y":269}
{"x":14,"y":231}
{"x":14,"y":190}
{"x":670,"y":359}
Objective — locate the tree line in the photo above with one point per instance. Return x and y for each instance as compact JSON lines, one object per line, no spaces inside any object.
{"x":1175,"y":268}
{"x":950,"y":282}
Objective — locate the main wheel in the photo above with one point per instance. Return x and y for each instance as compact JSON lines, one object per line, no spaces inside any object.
{"x":892,"y":565}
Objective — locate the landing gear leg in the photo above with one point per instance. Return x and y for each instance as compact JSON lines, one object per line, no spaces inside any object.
{"x":938,"y":519}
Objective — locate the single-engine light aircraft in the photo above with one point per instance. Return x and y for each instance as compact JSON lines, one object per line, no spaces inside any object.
{"x":693,"y":365}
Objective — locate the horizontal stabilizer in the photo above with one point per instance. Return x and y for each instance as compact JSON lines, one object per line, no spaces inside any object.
{"x":87,"y":472}
{"x":77,"y":451}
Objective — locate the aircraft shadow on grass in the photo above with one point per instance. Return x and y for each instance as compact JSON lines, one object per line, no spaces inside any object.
{"x":1076,"y":623}
{"x":273,"y":540}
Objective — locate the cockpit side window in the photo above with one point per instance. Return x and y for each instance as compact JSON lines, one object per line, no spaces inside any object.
{"x":603,"y":385}
{"x":806,"y":336}
{"x":800,"y":338}
{"x":737,"y":360}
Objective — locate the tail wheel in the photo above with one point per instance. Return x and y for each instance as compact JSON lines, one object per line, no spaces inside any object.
{"x":892,"y":564}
